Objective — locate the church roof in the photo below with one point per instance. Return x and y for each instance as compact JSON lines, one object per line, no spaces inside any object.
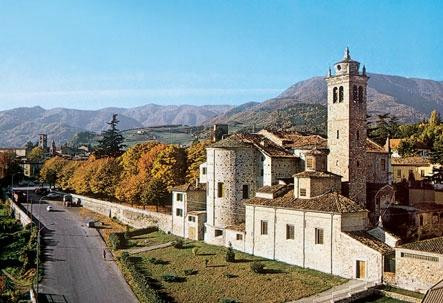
{"x":434,"y":245}
{"x":316,"y":174}
{"x":260,"y":142}
{"x":365,"y":238}
{"x":329,"y":202}
{"x":187,"y":187}
{"x":372,"y":147}
{"x":410,"y":161}
{"x":272,"y":189}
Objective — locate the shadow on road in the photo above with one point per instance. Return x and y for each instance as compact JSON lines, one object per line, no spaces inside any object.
{"x":51,"y":298}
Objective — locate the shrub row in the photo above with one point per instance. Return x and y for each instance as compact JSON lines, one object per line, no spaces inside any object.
{"x":143,"y":282}
{"x":141,"y":231}
{"x":118,"y":240}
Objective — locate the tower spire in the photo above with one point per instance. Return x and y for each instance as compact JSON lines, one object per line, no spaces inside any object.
{"x":329,"y":72}
{"x":347,"y":55}
{"x":364,"y":70}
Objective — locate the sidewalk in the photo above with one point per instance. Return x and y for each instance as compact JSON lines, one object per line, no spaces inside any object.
{"x":138,"y":250}
{"x":337,"y":292}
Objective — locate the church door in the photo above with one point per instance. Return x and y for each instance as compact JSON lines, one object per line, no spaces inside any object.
{"x":360,"y":269}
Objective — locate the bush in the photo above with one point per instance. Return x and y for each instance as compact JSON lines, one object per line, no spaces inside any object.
{"x":257,"y":267}
{"x":190,"y":272}
{"x":229,"y":275}
{"x":230,"y":254}
{"x":124,"y":257}
{"x":142,"y":280}
{"x":117,"y":240}
{"x":157,"y":261}
{"x":195,"y":251}
{"x":178,"y":243}
{"x":172,"y":278}
{"x":228,"y":300}
{"x":141,"y":231}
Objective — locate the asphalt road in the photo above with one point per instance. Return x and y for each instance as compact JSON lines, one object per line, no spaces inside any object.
{"x":74,"y":267}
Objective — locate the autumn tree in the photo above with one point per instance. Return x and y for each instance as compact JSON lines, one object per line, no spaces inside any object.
{"x":36,"y":154}
{"x":196,"y":155}
{"x":170,"y":166}
{"x":65,"y":175}
{"x":51,"y":169}
{"x":155,"y":193}
{"x":111,"y":143}
{"x":80,"y":181}
{"x":8,"y":165}
{"x":105,"y":176}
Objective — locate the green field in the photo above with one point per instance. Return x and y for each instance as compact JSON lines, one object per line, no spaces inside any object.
{"x":218,"y":280}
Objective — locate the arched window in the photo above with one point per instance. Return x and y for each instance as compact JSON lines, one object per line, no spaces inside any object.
{"x":360,"y":93}
{"x":358,"y":163}
{"x":355,"y":93}
{"x":334,"y":95}
{"x":340,"y":94}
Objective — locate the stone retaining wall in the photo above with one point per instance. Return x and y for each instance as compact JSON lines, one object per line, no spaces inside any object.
{"x":20,"y":213}
{"x":137,"y":218}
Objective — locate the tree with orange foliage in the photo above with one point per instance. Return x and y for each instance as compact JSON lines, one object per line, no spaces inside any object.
{"x":170,"y":166}
{"x":196,"y":155}
{"x":50,"y":171}
{"x":105,"y":176}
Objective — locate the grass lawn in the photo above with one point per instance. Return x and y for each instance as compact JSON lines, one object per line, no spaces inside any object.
{"x":280,"y":283}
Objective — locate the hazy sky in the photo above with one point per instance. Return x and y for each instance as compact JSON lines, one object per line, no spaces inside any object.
{"x":91,"y":54}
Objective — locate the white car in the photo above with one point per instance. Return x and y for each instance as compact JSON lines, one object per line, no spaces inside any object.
{"x":49,"y":208}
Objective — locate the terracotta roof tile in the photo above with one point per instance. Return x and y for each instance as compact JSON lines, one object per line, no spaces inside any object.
{"x":330,"y":202}
{"x":260,"y":142}
{"x":412,"y":161}
{"x":316,"y":174}
{"x":272,"y":189}
{"x":434,"y":245}
{"x":372,"y":147}
{"x":370,"y":241}
{"x":434,"y":294}
{"x":187,"y":187}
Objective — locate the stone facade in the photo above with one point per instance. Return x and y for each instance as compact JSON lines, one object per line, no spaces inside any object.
{"x":347,"y":126}
{"x":417,"y":270}
{"x":234,"y":174}
{"x":377,"y":168}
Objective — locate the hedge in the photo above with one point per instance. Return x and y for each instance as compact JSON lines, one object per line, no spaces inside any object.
{"x":118,"y":240}
{"x":142,"y":280}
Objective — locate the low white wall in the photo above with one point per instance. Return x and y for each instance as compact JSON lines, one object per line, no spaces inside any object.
{"x":19,"y":213}
{"x":137,"y":218}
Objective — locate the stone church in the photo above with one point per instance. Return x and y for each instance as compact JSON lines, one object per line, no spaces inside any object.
{"x":303,"y":199}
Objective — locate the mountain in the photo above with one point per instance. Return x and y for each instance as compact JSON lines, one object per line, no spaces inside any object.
{"x":409,"y":99}
{"x":24,"y":124}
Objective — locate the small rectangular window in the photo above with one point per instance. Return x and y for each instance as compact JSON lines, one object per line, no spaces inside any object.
{"x":179,"y":197}
{"x":383,"y":164}
{"x":338,"y":134}
{"x":309,"y":163}
{"x":220,"y":189}
{"x":318,"y":236}
{"x":422,"y":172}
{"x":261,"y":172}
{"x":399,"y":173}
{"x":290,"y":232}
{"x":204,"y":170}
{"x":179,"y":212}
{"x":191,"y":219}
{"x":245,"y":191}
{"x":302,"y":192}
{"x":239,"y":237}
{"x":264,"y":227}
{"x":218,"y":232}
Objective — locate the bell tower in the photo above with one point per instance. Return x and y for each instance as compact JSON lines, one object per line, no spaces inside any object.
{"x":347,"y":96}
